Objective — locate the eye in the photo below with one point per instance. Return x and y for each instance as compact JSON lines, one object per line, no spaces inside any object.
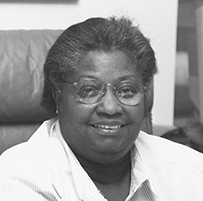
{"x":88,"y":91}
{"x":127,"y":92}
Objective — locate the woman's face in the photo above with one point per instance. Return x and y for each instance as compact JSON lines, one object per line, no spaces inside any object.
{"x":104,"y":131}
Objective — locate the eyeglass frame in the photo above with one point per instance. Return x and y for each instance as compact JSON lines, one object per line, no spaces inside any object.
{"x":103,"y":92}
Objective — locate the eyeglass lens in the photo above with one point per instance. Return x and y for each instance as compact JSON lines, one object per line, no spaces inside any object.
{"x":128,"y":92}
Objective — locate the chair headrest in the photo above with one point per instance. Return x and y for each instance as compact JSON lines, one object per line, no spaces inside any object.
{"x":22,"y":55}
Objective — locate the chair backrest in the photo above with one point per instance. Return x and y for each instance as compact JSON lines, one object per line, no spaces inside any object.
{"x":22,"y":55}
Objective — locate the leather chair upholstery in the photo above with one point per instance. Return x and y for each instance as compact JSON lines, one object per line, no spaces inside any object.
{"x":22,"y":55}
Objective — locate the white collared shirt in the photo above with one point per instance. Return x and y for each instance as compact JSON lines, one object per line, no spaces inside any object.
{"x":45,"y":169}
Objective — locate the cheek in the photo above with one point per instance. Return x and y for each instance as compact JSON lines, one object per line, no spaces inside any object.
{"x":72,"y":114}
{"x":136,"y":114}
{"x":72,"y":120}
{"x":70,"y":111}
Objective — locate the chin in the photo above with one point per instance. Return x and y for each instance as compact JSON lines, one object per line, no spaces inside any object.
{"x":109,"y":154}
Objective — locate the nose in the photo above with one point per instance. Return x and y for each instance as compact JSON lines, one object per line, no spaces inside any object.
{"x":109,"y":104}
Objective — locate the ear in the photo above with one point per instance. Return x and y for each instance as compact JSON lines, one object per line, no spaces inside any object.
{"x":149,"y":96}
{"x":57,"y":95}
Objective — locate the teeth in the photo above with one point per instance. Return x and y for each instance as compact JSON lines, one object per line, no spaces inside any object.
{"x":108,"y":127}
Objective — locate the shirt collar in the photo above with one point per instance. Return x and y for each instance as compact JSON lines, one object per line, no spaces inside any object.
{"x":140,"y":172}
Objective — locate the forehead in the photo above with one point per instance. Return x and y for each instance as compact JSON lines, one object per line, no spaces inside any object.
{"x":107,"y":66}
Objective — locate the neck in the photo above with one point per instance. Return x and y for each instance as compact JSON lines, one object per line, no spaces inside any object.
{"x":107,"y":173}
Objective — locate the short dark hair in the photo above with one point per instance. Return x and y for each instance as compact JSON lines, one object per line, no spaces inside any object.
{"x":105,"y":34}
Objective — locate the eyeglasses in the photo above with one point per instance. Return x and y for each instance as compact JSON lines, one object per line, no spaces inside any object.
{"x":90,"y":90}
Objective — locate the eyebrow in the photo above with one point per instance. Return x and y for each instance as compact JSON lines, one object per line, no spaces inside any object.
{"x":126,"y":77}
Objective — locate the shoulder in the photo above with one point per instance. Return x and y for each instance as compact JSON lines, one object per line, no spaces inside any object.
{"x":30,"y":167}
{"x":35,"y":153}
{"x":171,"y":166}
{"x":157,"y":148}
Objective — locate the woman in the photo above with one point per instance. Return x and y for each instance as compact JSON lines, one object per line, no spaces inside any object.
{"x":101,"y":106}
{"x":97,"y":83}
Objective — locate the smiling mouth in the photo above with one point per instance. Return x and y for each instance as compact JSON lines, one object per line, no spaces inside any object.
{"x":108,"y":127}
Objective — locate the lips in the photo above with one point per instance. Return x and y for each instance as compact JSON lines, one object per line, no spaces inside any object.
{"x":108,"y":125}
